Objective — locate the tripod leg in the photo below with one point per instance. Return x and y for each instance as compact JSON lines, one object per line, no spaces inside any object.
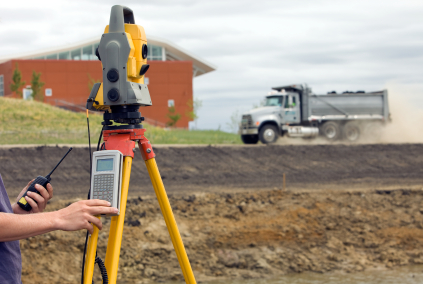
{"x":116,"y":225}
{"x":157,"y":182}
{"x":90,"y":257}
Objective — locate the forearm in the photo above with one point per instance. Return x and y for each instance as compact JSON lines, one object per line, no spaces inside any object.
{"x":15,"y":227}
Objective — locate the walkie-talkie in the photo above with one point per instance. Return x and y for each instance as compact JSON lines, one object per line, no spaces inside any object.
{"x":43,"y":181}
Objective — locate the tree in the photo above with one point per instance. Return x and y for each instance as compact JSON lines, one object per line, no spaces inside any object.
{"x":91,"y":82}
{"x":233,"y":125}
{"x":194,"y":106}
{"x":17,"y":83}
{"x":36,"y":86}
{"x":173,"y":116}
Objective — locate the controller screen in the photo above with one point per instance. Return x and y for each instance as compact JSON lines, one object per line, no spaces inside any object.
{"x":104,"y":165}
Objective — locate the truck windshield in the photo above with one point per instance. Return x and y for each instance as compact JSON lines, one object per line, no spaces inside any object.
{"x":273,"y":101}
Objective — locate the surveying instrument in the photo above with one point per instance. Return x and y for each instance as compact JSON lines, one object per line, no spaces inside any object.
{"x":123,"y":55}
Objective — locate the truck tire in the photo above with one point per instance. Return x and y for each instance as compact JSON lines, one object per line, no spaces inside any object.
{"x":268,"y":134}
{"x":351,"y":131}
{"x":249,"y":139}
{"x":331,"y":130}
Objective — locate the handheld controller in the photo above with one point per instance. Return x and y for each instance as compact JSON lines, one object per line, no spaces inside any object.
{"x":107,"y":177}
{"x":43,"y":181}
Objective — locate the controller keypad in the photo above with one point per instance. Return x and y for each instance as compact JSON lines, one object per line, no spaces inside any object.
{"x":103,"y":187}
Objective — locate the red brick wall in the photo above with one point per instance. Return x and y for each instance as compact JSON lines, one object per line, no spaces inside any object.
{"x":168,"y":80}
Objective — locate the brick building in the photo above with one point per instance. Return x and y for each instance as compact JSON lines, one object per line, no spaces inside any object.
{"x":68,"y":73}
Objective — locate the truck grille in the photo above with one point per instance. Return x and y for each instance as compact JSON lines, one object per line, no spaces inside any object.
{"x":246,"y":121}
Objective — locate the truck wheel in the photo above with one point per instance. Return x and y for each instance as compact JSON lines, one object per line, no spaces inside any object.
{"x":351,"y":131}
{"x":268,"y":134}
{"x":331,"y":130}
{"x":249,"y":139}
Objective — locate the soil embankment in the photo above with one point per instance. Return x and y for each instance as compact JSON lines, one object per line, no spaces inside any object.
{"x":211,"y":169}
{"x":259,"y":234}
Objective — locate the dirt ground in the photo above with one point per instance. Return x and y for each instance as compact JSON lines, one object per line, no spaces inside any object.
{"x":345,"y":208}
{"x":244,"y":235}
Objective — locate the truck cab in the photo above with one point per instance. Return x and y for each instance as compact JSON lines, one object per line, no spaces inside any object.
{"x":265,"y":123}
{"x":288,"y":103}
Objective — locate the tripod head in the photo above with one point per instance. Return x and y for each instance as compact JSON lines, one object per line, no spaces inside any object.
{"x":123,"y":55}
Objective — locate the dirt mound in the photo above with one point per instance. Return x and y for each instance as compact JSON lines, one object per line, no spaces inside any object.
{"x":247,"y":235}
{"x":191,"y":169}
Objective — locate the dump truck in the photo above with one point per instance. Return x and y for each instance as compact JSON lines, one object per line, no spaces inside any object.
{"x":294,"y":111}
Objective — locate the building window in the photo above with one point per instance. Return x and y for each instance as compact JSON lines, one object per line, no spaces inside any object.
{"x":76,"y":54}
{"x":170,"y":103}
{"x":52,"y":56}
{"x":154,"y":52}
{"x":1,"y":86}
{"x":64,"y":55}
{"x":88,"y":52}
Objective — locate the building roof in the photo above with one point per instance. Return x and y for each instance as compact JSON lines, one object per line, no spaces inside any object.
{"x":171,"y":52}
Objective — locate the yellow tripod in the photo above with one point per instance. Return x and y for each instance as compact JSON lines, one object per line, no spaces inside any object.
{"x":124,"y":141}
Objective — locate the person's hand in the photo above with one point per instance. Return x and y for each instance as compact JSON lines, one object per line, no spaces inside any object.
{"x":41,"y":200}
{"x":82,"y":215}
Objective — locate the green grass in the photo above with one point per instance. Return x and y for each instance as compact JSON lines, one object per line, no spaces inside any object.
{"x":30,"y":122}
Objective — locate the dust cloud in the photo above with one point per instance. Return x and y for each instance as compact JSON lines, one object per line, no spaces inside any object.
{"x":406,"y":125}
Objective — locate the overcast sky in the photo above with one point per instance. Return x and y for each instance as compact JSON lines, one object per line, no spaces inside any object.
{"x":330,"y":45}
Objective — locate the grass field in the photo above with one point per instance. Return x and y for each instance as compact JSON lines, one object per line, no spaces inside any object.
{"x":30,"y":122}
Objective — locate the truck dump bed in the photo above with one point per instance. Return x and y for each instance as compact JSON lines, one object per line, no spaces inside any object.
{"x":372,"y":106}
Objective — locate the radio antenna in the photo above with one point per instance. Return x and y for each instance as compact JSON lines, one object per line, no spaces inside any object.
{"x":48,"y":176}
